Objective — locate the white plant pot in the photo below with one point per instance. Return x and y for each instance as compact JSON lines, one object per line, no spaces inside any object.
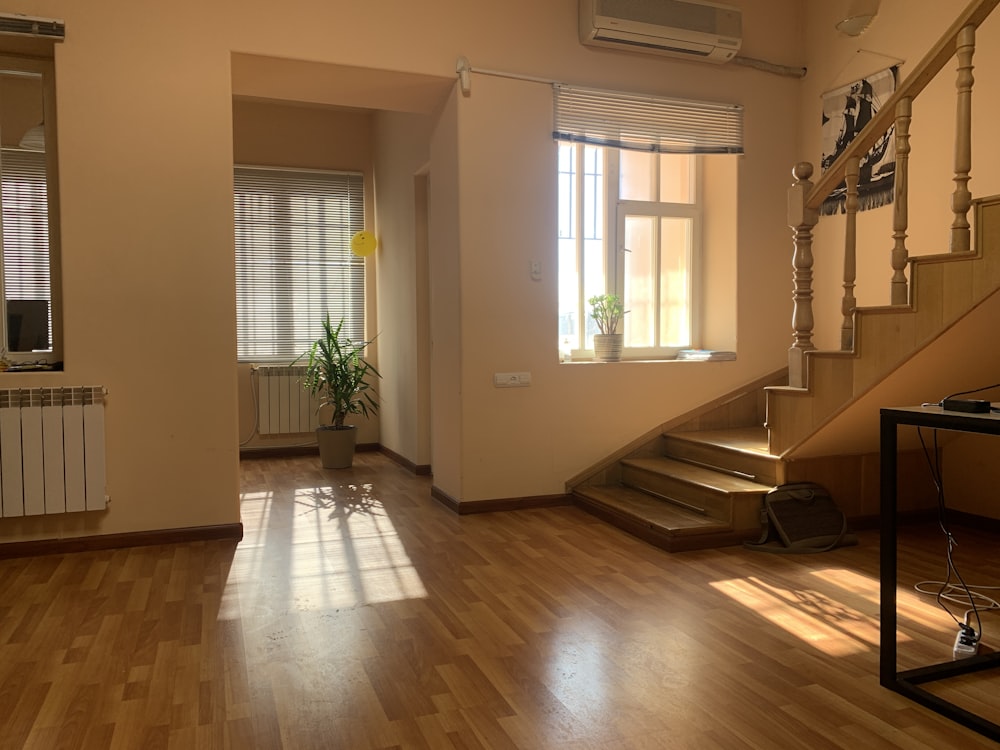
{"x":608,"y":346}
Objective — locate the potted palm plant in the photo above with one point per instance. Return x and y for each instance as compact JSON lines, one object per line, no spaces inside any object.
{"x":338,"y":375}
{"x":607,"y":311}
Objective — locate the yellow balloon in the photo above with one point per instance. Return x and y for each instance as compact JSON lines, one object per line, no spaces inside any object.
{"x":363,"y":243}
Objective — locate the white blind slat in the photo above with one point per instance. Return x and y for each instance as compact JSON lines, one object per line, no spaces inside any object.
{"x":293,"y":259}
{"x":646,"y":123}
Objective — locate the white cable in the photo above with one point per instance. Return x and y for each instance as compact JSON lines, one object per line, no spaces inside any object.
{"x":961,"y":596}
{"x":949,"y":595}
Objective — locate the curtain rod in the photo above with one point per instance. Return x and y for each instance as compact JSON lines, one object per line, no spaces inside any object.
{"x":464,"y":70}
{"x":463,"y":67}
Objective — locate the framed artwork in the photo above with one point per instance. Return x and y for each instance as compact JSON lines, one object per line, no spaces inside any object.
{"x":846,"y":110}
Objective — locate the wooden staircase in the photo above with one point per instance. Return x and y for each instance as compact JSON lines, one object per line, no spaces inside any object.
{"x":699,"y":481}
{"x":694,"y":485}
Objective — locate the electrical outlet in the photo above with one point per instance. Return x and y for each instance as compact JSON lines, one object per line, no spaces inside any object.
{"x":511,"y":379}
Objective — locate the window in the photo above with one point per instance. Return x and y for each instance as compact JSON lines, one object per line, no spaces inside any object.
{"x":630,"y":213}
{"x":647,"y":255}
{"x":294,"y":263}
{"x":30,"y":318}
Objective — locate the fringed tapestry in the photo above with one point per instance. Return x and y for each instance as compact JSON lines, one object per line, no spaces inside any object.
{"x":846,"y":111}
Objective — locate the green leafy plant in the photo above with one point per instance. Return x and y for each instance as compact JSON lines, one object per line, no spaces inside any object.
{"x":338,"y":374}
{"x":607,"y":310}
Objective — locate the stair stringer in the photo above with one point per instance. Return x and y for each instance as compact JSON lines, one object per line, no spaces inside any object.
{"x":696,"y":481}
{"x":944,"y":288}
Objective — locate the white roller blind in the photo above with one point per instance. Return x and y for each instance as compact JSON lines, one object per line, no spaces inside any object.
{"x":293,"y":259}
{"x":646,"y":123}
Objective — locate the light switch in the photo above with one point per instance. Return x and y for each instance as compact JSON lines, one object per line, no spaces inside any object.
{"x":536,"y":270}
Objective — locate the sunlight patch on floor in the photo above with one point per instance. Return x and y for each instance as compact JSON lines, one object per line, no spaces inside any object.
{"x":832,"y":626}
{"x":327,"y":547}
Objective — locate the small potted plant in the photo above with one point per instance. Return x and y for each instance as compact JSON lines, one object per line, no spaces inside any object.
{"x":607,"y":310}
{"x":338,"y":375}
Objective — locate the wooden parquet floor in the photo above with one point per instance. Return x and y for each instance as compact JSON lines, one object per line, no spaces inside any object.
{"x":358,"y":613}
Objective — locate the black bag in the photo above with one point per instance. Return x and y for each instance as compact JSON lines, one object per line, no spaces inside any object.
{"x":802,"y":518}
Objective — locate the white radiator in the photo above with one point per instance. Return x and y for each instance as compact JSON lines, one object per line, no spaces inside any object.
{"x":284,"y":407}
{"x":51,"y":450}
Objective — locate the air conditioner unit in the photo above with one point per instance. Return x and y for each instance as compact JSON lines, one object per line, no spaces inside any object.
{"x":680,"y":28}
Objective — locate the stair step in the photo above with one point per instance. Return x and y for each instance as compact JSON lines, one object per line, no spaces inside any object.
{"x":656,"y":521}
{"x":653,"y":512}
{"x":743,"y":450}
{"x":729,"y":499}
{"x":672,"y":472}
{"x":751,"y":440}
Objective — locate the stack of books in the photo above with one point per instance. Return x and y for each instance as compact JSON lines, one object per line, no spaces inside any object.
{"x":705,"y":355}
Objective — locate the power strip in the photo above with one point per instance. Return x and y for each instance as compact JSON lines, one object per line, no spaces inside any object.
{"x":966,"y":643}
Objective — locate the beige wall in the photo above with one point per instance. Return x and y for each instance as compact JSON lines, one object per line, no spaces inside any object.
{"x":402,"y":147}
{"x":525,"y":442}
{"x":720,"y":260}
{"x":446,"y":202}
{"x":146,"y":149}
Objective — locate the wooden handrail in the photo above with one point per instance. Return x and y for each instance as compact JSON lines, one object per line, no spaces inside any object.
{"x":932,"y":63}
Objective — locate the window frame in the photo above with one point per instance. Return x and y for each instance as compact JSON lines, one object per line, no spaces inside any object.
{"x":644,"y":123}
{"x":45,"y":68}
{"x":307,"y":324}
{"x":615,"y":210}
{"x":691,"y":211}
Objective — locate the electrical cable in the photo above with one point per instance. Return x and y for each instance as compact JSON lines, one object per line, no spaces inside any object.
{"x":955,"y":595}
{"x":253,"y":398}
{"x":974,"y":390}
{"x":941,"y":596}
{"x":965,"y":393}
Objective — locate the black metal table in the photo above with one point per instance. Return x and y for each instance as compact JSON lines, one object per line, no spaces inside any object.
{"x":908,"y":682}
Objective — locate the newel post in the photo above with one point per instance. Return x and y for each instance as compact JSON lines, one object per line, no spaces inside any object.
{"x":802,"y":220}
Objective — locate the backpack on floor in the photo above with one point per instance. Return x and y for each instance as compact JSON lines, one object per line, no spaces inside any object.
{"x":801,"y":518}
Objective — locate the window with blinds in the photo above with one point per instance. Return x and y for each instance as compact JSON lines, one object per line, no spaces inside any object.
{"x":26,"y":276}
{"x":646,"y":123}
{"x":632,"y":203}
{"x":30,"y":318}
{"x":294,"y":263}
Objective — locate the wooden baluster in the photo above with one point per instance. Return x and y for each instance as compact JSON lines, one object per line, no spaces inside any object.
{"x":900,"y":219}
{"x":962,"y":199}
{"x":801,"y":219}
{"x":851,"y":174}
